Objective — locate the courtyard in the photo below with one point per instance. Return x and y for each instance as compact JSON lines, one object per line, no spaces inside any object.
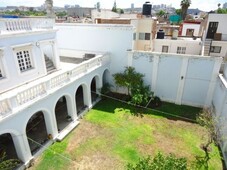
{"x":110,"y":135}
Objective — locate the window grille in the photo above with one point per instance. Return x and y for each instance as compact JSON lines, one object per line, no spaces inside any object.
{"x":24,"y":60}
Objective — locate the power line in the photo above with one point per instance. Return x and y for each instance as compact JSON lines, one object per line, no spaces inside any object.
{"x":166,"y":113}
{"x":68,"y":159}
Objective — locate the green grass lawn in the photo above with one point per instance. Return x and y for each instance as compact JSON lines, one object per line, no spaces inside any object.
{"x":109,"y":137}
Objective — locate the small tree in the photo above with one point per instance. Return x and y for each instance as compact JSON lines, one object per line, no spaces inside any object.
{"x":114,"y":9}
{"x":206,"y":119}
{"x":128,"y":78}
{"x":133,"y":81}
{"x":178,"y":12}
{"x":160,"y":13}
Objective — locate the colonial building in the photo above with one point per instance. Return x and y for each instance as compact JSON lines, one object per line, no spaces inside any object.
{"x":51,"y":75}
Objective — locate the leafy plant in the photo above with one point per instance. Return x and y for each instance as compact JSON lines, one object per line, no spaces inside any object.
{"x":8,"y":163}
{"x":128,"y":79}
{"x":140,"y":94}
{"x":133,"y":81}
{"x":160,"y":13}
{"x":159,"y":162}
{"x":178,"y":12}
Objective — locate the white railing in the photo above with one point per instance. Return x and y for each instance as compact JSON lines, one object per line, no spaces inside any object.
{"x":31,"y":93}
{"x":59,"y":80}
{"x":77,"y":72}
{"x":4,"y":108}
{"x":25,"y":24}
{"x":11,"y":100}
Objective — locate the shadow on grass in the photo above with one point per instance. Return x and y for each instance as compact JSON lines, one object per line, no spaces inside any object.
{"x":167,"y":110}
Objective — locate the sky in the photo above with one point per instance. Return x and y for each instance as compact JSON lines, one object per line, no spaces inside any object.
{"x":205,"y":5}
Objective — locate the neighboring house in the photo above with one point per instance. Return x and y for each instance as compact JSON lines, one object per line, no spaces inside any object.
{"x":190,"y":29}
{"x":79,"y":12}
{"x":144,"y":33}
{"x":103,"y":14}
{"x":144,"y":30}
{"x":178,"y":46}
{"x":215,"y":38}
{"x":167,"y":28}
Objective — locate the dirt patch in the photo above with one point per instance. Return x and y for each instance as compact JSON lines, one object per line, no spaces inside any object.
{"x":96,"y":161}
{"x":83,"y":132}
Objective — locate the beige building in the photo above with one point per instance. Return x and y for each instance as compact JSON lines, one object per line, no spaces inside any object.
{"x":144,"y":34}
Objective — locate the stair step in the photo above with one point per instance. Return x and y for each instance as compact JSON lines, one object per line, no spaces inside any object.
{"x":49,"y":64}
{"x":50,"y":68}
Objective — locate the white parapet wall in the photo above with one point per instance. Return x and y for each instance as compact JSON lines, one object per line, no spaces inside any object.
{"x":219,"y":105}
{"x":191,"y":46}
{"x":181,"y":79}
{"x":115,"y":39}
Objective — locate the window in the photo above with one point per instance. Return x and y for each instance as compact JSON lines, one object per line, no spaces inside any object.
{"x":147,"y":36}
{"x":215,"y":49}
{"x":165,"y":49}
{"x":134,"y":36}
{"x":190,"y":32}
{"x":1,"y":73}
{"x":24,"y":60}
{"x":181,"y":50}
{"x":144,"y":36}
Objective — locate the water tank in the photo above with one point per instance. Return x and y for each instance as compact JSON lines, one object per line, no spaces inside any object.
{"x":175,"y":34}
{"x":160,"y":34}
{"x":147,"y":8}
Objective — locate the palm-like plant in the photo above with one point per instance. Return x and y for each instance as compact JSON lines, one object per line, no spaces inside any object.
{"x":184,"y":7}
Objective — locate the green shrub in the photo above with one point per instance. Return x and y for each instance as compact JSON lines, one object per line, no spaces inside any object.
{"x":7,"y":163}
{"x":159,"y":162}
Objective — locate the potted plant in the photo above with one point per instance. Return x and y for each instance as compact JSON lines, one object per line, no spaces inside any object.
{"x":68,"y":118}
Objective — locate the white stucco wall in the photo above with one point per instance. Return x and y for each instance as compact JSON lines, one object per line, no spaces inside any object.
{"x":223,"y":45}
{"x":193,"y":47}
{"x":186,"y":26}
{"x":12,"y":74}
{"x":182,"y":79}
{"x":115,"y":39}
{"x":219,"y":103}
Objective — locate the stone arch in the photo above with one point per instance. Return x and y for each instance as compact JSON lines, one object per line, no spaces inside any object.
{"x":106,"y":77}
{"x":36,"y":131}
{"x":95,"y":86}
{"x":63,"y":111}
{"x":8,"y":145}
{"x":81,"y":98}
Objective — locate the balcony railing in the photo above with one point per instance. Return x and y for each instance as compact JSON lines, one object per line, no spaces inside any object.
{"x":19,"y":97}
{"x":25,"y":24}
